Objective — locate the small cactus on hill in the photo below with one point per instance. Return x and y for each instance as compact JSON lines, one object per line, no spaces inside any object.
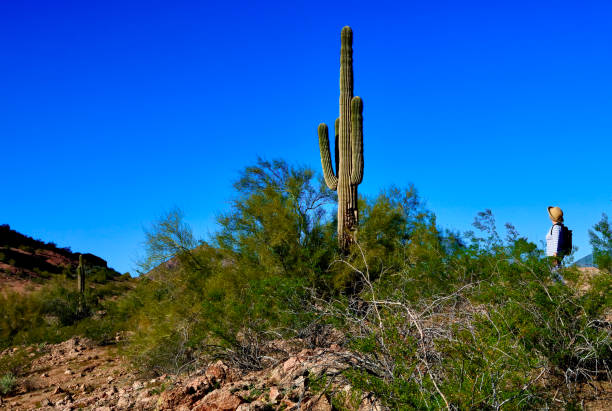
{"x":348,"y":148}
{"x":81,"y":275}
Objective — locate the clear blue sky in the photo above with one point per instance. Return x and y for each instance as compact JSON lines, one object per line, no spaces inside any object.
{"x":113,"y":112}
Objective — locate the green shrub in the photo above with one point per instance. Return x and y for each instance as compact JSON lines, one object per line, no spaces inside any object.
{"x":601,"y":240}
{"x":472,"y":327}
{"x":278,"y":223}
{"x":14,"y":363}
{"x":274,"y":241}
{"x":7,"y":383}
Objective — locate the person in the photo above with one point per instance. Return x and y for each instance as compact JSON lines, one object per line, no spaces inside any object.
{"x":553,"y":239}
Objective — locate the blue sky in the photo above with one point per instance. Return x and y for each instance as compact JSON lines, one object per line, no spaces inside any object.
{"x":113,"y":112}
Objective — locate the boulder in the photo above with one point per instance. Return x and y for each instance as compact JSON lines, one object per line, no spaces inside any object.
{"x":218,"y":400}
{"x":318,"y":403}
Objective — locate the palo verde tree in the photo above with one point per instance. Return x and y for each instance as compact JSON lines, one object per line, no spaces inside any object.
{"x":348,"y":146}
{"x":601,"y":240}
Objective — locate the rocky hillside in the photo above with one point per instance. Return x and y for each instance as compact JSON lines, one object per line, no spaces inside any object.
{"x":78,"y":374}
{"x":25,"y":262}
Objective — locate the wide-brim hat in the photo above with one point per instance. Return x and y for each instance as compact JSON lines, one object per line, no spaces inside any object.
{"x":556,"y":214}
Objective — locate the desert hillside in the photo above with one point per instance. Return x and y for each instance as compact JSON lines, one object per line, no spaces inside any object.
{"x":27,"y":263}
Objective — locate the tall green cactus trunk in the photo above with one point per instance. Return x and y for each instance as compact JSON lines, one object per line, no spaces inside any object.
{"x":81,"y":285}
{"x":81,"y":275}
{"x":349,"y":148}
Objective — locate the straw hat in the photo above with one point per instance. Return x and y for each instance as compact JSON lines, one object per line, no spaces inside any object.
{"x":556,"y":214}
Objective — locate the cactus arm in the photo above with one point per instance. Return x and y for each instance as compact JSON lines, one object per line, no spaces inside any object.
{"x":357,"y":140}
{"x":337,"y":142}
{"x":328,"y":172}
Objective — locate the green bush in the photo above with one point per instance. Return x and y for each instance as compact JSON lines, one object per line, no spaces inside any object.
{"x":278,"y":223}
{"x":276,"y":240}
{"x":12,"y":365}
{"x":473,"y":327}
{"x":435,"y":319}
{"x":601,"y":240}
{"x":7,"y":383}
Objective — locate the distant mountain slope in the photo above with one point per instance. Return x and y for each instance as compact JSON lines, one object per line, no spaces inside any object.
{"x":25,"y":260}
{"x":586,"y":261}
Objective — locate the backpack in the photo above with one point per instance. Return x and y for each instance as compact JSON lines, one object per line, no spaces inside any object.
{"x":565,"y":241}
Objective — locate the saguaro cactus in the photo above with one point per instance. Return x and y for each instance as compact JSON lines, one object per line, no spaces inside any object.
{"x":349,"y":148}
{"x":81,"y":275}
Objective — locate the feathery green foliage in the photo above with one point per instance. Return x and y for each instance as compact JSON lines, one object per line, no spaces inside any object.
{"x":7,"y":383}
{"x":273,"y":243}
{"x":484,"y":329}
{"x":278,"y":223}
{"x":601,"y":240}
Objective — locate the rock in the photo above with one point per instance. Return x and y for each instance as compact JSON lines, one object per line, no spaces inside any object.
{"x":185,"y":396}
{"x":123,"y":402}
{"x":144,"y":402}
{"x":256,"y":405}
{"x":137,"y":385}
{"x":217,"y":372}
{"x":291,"y":369}
{"x":276,"y":375}
{"x":68,"y":372}
{"x":305,"y":353}
{"x":298,"y":388}
{"x":46,"y":403}
{"x":290,"y":363}
{"x":44,"y":375}
{"x":58,"y":390}
{"x":218,"y":400}
{"x":288,"y":404}
{"x":110,"y":392}
{"x":198,"y":384}
{"x":318,"y":403}
{"x":274,"y":394}
{"x":371,"y":404}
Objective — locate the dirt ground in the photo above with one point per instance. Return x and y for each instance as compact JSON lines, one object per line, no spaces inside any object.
{"x":77,"y":374}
